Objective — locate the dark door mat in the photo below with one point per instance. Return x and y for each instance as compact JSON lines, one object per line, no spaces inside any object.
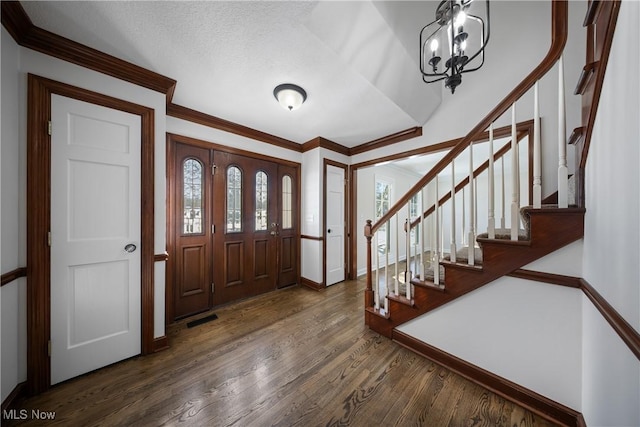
{"x":201,"y":321}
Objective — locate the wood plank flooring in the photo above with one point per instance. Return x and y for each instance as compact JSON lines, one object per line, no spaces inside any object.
{"x":294,"y":357}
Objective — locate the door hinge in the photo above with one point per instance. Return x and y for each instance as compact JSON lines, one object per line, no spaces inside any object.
{"x":49,"y":127}
{"x":213,"y":288}
{"x":213,"y":229}
{"x":49,"y":238}
{"x":49,"y":348}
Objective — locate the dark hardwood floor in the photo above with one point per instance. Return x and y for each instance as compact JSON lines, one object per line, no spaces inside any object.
{"x":291,"y":357}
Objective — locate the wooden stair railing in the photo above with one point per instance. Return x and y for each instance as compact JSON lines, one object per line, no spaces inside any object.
{"x":461,"y":279}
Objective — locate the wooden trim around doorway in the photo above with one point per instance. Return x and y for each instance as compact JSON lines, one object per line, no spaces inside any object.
{"x":40,"y":90}
{"x":172,"y":173}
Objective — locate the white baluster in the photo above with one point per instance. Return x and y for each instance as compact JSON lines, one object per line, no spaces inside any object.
{"x":407,"y":244}
{"x":502,"y":219}
{"x":387,"y":290}
{"x":397,"y":252}
{"x":407,"y":276}
{"x":515,"y":179}
{"x":435,"y":255}
{"x":376,"y":288}
{"x":472,"y":208}
{"x":441,"y":232}
{"x":416,"y":258}
{"x":386,"y":268}
{"x":475,"y":204}
{"x":452,"y":248}
{"x":563,"y":172}
{"x":491,"y":225}
{"x":537,"y":169}
{"x":420,"y":231}
{"x":464,"y":214}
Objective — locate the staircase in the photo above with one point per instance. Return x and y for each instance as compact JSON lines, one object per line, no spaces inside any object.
{"x":550,"y":229}
{"x":525,"y":235}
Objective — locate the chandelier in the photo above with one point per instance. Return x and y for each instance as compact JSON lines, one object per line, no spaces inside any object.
{"x":457,"y":34}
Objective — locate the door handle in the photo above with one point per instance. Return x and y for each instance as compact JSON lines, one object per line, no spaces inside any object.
{"x":130,"y":248}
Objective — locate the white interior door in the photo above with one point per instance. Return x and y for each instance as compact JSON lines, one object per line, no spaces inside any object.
{"x":334,"y":234}
{"x":95,"y":214}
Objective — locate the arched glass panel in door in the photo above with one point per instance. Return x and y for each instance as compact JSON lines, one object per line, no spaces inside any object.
{"x":192,"y":196}
{"x":261,"y":201}
{"x":234,"y":199}
{"x":287,"y":197}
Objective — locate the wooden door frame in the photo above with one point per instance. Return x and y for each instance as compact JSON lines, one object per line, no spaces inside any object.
{"x":38,"y":217}
{"x":172,"y":140}
{"x":347,"y":273}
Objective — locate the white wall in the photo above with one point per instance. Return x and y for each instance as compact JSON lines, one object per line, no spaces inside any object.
{"x":611,"y":243}
{"x":16,"y":63}
{"x":527,"y":332}
{"x":13,"y":349}
{"x":516,"y":47}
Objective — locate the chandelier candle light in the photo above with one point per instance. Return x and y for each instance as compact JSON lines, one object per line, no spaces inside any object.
{"x":457,"y":33}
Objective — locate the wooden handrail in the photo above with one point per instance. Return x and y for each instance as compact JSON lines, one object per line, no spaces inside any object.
{"x":559,"y":29}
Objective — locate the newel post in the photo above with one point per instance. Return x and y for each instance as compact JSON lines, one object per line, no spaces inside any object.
{"x":368,"y":293}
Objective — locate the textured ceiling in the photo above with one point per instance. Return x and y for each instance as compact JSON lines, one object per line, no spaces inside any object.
{"x":356,"y":60}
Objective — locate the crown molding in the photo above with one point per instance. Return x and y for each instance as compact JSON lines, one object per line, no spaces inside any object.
{"x":15,"y":20}
{"x":385,"y":141}
{"x":184,"y":113}
{"x":26,"y":34}
{"x":320,"y":142}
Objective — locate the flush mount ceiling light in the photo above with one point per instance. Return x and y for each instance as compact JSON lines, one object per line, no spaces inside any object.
{"x":459,"y":35}
{"x":290,"y":96}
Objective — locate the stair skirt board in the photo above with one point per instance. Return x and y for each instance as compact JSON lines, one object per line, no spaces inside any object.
{"x":540,"y":405}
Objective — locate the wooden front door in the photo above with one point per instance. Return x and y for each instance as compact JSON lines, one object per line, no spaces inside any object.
{"x":287,"y":226}
{"x":193,"y":251}
{"x":245,"y":218}
{"x":236,"y":227}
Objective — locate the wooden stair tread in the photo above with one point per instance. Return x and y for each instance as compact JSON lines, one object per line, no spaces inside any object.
{"x":503,"y":234}
{"x":462,"y":256}
{"x":401,"y":299}
{"x":484,"y":241}
{"x":462,"y":265}
{"x":428,"y":284}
